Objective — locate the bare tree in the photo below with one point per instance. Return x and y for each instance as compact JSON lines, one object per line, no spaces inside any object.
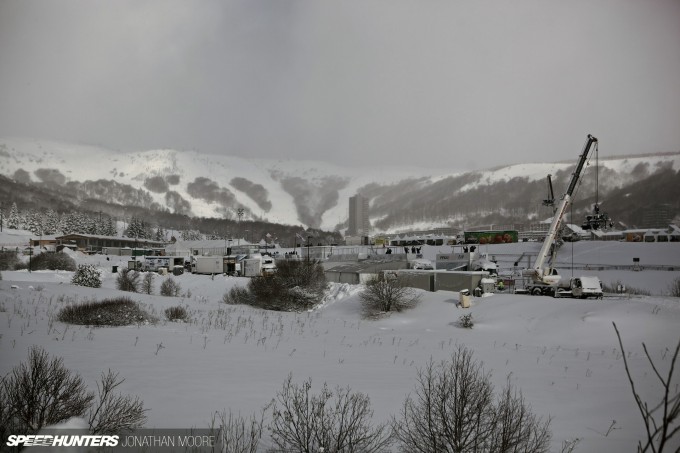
{"x":147,"y":283}
{"x":515,"y":427}
{"x":332,"y":421}
{"x":453,"y":410}
{"x":387,"y":293}
{"x":41,"y":393}
{"x":659,"y":419}
{"x":115,"y":412}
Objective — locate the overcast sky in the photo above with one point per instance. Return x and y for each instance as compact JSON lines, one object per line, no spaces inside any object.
{"x":441,"y":83}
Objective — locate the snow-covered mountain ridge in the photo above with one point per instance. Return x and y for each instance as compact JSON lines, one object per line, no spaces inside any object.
{"x":294,"y":192}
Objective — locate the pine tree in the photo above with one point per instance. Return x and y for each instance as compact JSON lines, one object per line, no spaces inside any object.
{"x":34,"y":223}
{"x":13,"y":221}
{"x":110,"y":227}
{"x":147,"y":232}
{"x":160,"y":234}
{"x":87,"y":275}
{"x":71,"y":223}
{"x":51,"y":222}
{"x":138,"y":229}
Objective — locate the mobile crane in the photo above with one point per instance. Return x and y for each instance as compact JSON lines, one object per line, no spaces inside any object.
{"x":544,"y":277}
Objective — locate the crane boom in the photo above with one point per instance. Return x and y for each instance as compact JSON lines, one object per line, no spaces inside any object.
{"x":545,"y":274}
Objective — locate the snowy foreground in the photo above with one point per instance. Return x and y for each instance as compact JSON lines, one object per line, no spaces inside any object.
{"x":563,"y":354}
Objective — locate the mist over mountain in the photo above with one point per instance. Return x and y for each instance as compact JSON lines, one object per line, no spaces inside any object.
{"x":315,"y":194}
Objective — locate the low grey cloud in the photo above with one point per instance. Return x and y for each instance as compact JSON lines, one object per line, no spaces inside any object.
{"x":464,"y":85}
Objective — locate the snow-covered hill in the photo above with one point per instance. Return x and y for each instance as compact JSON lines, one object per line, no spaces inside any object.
{"x":311,"y":193}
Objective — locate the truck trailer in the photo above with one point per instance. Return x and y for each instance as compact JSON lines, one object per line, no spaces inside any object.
{"x":207,"y":265}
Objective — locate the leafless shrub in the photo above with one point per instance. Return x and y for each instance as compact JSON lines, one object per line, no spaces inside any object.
{"x":115,"y":412}
{"x":453,"y":410}
{"x":661,"y":419}
{"x":674,"y":288}
{"x":8,"y":260}
{"x":387,"y":293}
{"x":170,"y":288}
{"x":147,"y":283}
{"x":466,"y":321}
{"x":331,"y":421}
{"x":238,"y":295}
{"x":177,"y":313}
{"x":53,"y":261}
{"x":128,"y":280}
{"x":41,"y":392}
{"x":237,"y":434}
{"x":297,"y":285}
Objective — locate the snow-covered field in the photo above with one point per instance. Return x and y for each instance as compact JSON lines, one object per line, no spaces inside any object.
{"x":563,"y":354}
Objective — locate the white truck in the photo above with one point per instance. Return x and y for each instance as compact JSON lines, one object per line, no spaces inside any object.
{"x":582,"y":288}
{"x":257,"y":265}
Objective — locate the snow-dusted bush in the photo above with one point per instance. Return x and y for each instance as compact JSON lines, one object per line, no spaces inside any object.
{"x":128,"y":280}
{"x":453,"y":409}
{"x":330,"y":421}
{"x":297,"y":285}
{"x":8,"y":260}
{"x":53,"y":261}
{"x":238,"y":295}
{"x":170,"y":288}
{"x":109,"y":312}
{"x":466,"y":321}
{"x":177,"y":313}
{"x":384,"y":294}
{"x":87,"y":275}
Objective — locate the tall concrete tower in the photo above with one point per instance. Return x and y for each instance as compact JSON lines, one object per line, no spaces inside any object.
{"x":358,"y":216}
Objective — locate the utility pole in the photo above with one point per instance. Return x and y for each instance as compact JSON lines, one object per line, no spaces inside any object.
{"x":239,"y":213}
{"x":308,"y":238}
